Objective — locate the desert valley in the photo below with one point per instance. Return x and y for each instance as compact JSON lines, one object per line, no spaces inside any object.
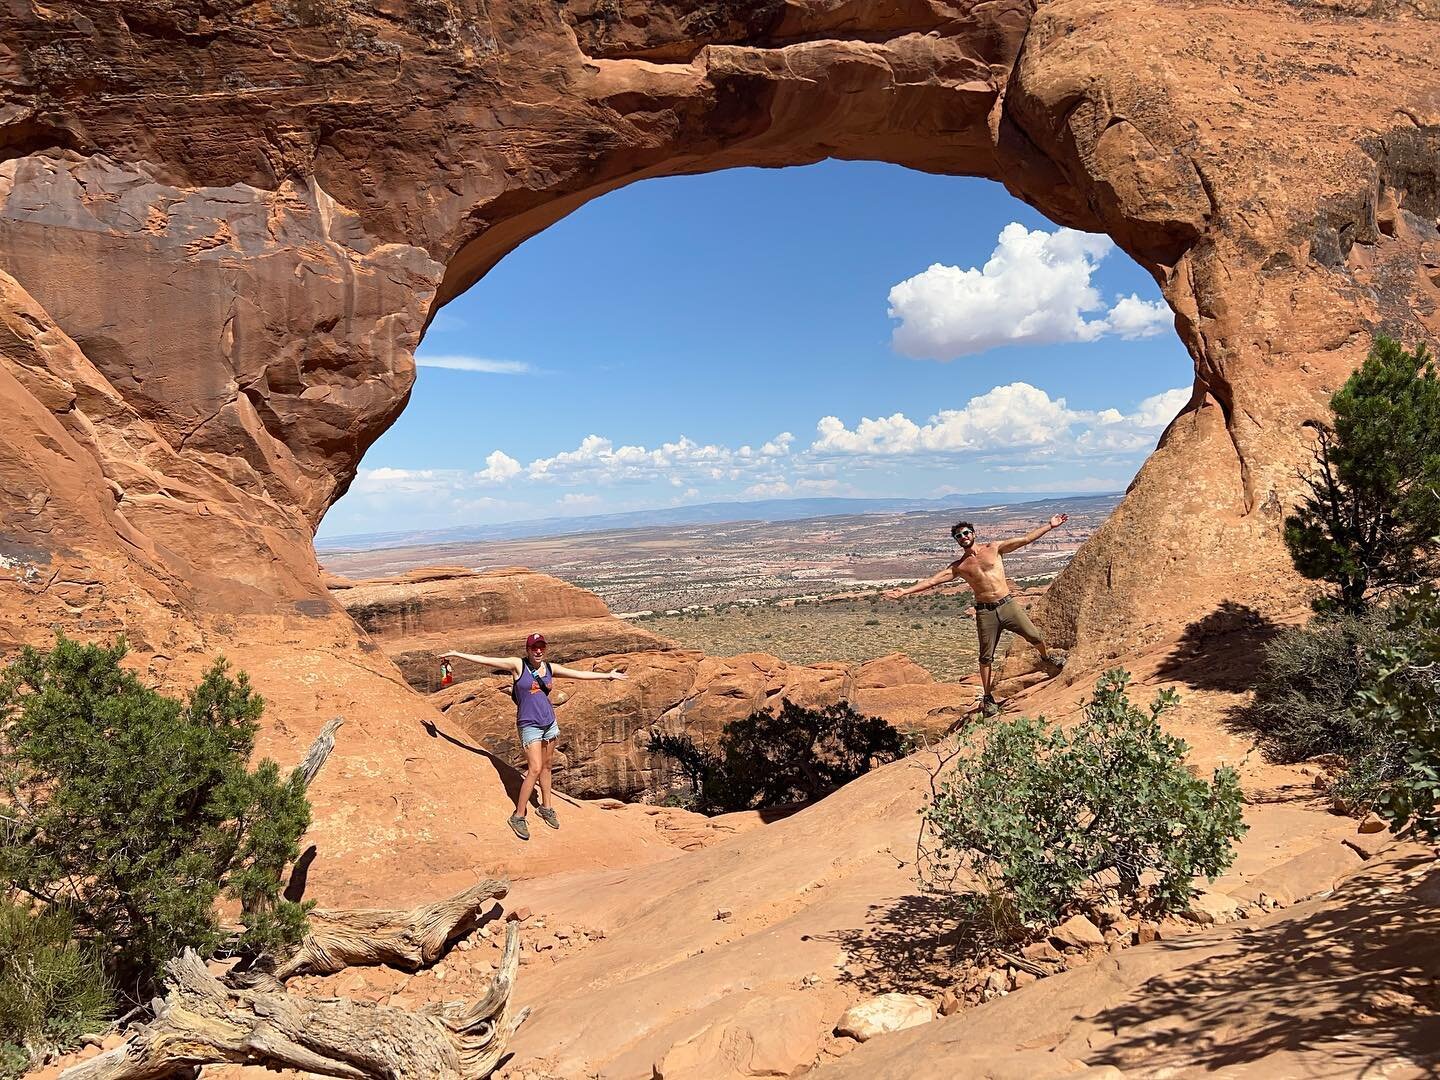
{"x":225,"y":228}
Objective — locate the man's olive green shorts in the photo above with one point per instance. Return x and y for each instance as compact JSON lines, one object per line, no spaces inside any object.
{"x":1008,"y":616}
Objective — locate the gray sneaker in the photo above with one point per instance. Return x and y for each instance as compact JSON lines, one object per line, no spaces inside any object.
{"x":548,"y":815}
{"x":521,"y":826}
{"x":1056,"y":658}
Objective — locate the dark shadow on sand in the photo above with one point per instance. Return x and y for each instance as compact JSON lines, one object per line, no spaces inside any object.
{"x":1223,"y":651}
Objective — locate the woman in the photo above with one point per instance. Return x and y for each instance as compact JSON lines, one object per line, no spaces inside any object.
{"x":532,"y":679}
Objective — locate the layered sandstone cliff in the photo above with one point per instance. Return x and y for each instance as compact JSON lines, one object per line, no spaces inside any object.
{"x":417,"y":616}
{"x":605,"y":726}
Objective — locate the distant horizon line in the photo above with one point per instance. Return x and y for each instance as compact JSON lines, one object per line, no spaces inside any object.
{"x":530,"y":528}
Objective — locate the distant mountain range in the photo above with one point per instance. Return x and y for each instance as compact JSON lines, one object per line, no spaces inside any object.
{"x":699,"y":514}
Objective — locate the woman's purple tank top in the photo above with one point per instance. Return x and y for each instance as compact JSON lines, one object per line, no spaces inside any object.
{"x":532,"y":706}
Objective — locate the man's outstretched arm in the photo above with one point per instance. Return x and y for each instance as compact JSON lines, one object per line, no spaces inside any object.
{"x":1016,"y":543}
{"x":950,"y":573}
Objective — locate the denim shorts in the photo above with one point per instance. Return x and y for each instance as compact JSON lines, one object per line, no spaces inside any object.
{"x":549,"y":733}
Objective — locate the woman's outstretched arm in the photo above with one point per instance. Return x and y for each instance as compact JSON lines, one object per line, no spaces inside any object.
{"x":503,"y":663}
{"x":572,"y":673}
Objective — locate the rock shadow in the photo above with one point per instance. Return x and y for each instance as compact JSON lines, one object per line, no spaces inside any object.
{"x":1222,"y":651}
{"x":1373,"y":963}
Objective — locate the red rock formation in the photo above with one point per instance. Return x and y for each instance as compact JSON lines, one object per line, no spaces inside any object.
{"x":605,"y":726}
{"x":417,"y":616}
{"x":223,"y":226}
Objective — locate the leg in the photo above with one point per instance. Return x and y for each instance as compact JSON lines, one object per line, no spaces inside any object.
{"x":987,"y":629}
{"x":547,"y":759}
{"x":532,"y":773}
{"x":1017,"y":620}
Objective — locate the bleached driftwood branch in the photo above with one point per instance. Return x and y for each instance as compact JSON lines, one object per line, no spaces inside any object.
{"x":404,"y":939}
{"x":202,"y":1022}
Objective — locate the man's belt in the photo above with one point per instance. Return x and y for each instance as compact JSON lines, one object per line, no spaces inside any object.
{"x":995,"y":606}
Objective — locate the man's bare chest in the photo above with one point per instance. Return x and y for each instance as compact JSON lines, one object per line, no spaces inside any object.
{"x":980,"y":565}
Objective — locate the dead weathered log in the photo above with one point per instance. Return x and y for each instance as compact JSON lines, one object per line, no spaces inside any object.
{"x":404,"y":939}
{"x":201,"y":1022}
{"x":320,"y":749}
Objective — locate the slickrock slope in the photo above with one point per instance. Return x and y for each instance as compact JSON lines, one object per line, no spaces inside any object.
{"x":224,"y":225}
{"x":418,"y":615}
{"x":604,"y":726}
{"x":739,"y":958}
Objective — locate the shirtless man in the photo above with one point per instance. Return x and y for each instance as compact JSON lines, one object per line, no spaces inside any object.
{"x":995,"y":609}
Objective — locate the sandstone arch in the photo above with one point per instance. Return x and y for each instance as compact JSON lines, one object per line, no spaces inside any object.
{"x":224,"y":224}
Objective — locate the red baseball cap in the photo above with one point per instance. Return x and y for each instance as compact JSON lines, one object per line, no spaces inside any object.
{"x":533,"y":640}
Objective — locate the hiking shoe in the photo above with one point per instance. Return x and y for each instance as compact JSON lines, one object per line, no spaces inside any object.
{"x":548,"y":815}
{"x":1056,"y":658}
{"x":989,"y":706}
{"x":521,"y":827}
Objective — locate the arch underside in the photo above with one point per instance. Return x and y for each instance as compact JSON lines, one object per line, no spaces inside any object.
{"x":224,"y":226}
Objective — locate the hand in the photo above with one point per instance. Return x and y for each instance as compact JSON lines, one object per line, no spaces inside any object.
{"x":894,"y":594}
{"x":443,"y":655}
{"x":618,"y":675}
{"x":1058,"y":520}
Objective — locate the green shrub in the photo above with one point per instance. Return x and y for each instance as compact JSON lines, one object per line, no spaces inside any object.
{"x":1402,"y":695}
{"x":797,"y":755}
{"x":1306,"y":687}
{"x":53,"y":988}
{"x":136,"y":811}
{"x":1032,"y":813}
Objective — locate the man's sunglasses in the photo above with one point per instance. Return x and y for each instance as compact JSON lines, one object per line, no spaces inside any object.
{"x":963,"y":532}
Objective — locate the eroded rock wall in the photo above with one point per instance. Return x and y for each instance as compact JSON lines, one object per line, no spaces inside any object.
{"x":223,"y":225}
{"x":419,"y":615}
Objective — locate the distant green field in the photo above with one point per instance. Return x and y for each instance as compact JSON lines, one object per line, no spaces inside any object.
{"x":936,"y":632}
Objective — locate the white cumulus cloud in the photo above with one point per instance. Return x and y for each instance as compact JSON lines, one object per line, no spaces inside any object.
{"x":1008,"y":417}
{"x":1133,"y":318}
{"x":499,"y":467}
{"x":1035,"y":289}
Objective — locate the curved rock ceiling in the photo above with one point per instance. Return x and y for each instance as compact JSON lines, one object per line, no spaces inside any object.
{"x":225,"y":223}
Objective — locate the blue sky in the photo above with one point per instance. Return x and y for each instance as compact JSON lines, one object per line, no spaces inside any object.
{"x":846,"y":328}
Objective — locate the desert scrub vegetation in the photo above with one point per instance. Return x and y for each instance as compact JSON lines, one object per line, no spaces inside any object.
{"x":130,"y":813}
{"x":938,"y":633}
{"x":1370,"y":521}
{"x":1402,"y":696}
{"x":1369,"y":530}
{"x":53,"y":987}
{"x":1029,"y":823}
{"x":796,"y":755}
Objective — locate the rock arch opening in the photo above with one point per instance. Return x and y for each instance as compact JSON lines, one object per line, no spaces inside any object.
{"x":725,"y":339}
{"x":211,"y":296}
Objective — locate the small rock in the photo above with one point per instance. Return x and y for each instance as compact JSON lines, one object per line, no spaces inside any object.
{"x":997,"y":982}
{"x":540,"y":923}
{"x":439,"y":974}
{"x":1147,"y":933}
{"x":950,"y":1002}
{"x":1373,"y":823}
{"x":520,"y":914}
{"x":464,"y":945}
{"x":1041,"y":951}
{"x":1208,"y":908}
{"x":1025,"y":978}
{"x":562,"y":935}
{"x":1077,"y":932}
{"x":810,"y":980}
{"x":723,"y":914}
{"x":484,"y":932}
{"x":886,"y":1013}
